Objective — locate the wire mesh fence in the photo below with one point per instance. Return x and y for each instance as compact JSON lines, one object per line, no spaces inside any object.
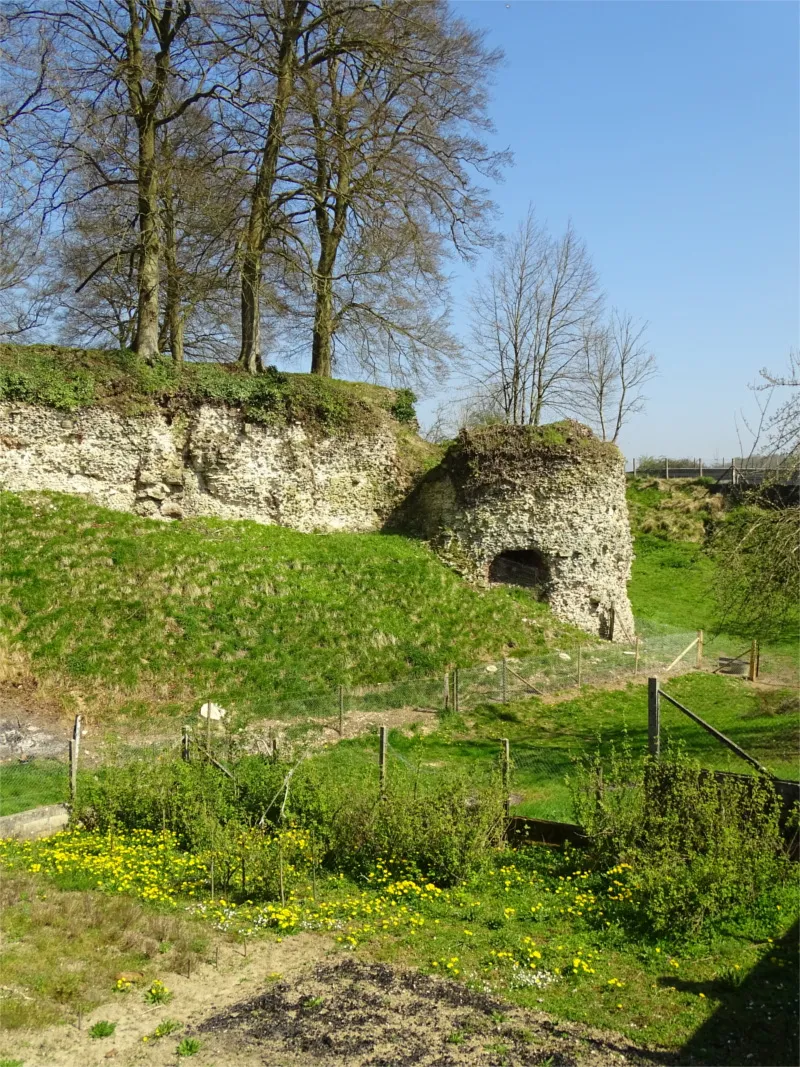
{"x":31,"y":782}
{"x":464,"y":688}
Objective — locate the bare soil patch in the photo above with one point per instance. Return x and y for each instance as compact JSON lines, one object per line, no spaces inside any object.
{"x":288,"y":1004}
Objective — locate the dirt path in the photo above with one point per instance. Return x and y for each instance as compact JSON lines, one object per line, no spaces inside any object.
{"x":300,"y":1003}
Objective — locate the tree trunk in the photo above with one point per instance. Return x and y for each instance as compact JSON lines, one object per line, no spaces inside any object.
{"x":173,"y":316}
{"x":259,"y":223}
{"x":322,"y":344}
{"x":146,"y":343}
{"x":250,"y":354}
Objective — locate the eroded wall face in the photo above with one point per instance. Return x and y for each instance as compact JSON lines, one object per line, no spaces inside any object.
{"x":574,"y":518}
{"x":210,"y":462}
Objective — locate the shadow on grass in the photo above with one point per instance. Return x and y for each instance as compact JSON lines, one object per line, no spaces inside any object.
{"x":757,"y":1018}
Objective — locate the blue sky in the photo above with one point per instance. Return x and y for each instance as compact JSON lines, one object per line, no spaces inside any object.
{"x":668,"y":132}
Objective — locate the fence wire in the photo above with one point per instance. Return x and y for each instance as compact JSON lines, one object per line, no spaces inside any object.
{"x":31,"y":782}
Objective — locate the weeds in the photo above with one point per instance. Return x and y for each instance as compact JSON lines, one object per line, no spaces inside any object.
{"x":102,"y":1029}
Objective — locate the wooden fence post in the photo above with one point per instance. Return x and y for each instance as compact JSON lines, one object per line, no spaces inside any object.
{"x":456,"y":694}
{"x":382,"y":759}
{"x":185,"y":742}
{"x":74,"y":756}
{"x":446,"y":690}
{"x":701,"y":468}
{"x":653,"y":718}
{"x":699,"y":660}
{"x":666,"y":468}
{"x":580,"y":665}
{"x":506,"y":772}
{"x":751,"y":672}
{"x":758,"y":658}
{"x":341,"y":710}
{"x":505,"y":681}
{"x":636,"y":655}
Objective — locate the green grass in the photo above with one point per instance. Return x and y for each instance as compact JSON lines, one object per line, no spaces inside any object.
{"x":62,"y":950}
{"x":547,"y":737}
{"x":165,"y":614}
{"x":31,"y":784}
{"x":673,"y":580}
{"x":69,"y":378}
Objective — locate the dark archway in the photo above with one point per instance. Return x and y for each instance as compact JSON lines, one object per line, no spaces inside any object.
{"x":522,"y":566}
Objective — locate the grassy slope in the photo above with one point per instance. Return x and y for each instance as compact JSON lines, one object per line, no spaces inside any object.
{"x":254,"y":614}
{"x":673,"y":579}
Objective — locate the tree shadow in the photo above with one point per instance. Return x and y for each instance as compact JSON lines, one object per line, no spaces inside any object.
{"x":756,"y":1022}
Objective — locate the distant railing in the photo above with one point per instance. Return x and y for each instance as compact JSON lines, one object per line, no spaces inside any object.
{"x":733,"y":473}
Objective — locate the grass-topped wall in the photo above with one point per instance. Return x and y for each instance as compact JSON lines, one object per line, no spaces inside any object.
{"x":71,"y":378}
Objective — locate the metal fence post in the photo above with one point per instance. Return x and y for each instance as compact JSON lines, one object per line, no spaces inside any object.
{"x":653,"y":718}
{"x":382,"y":759}
{"x":506,"y":772}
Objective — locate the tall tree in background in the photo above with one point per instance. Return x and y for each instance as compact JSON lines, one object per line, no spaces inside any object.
{"x":121,"y":71}
{"x":387,"y":169}
{"x":528,"y":319}
{"x":610,"y":372}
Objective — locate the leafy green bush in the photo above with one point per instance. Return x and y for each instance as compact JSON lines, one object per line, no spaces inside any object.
{"x":444,"y":831}
{"x":403,"y":407}
{"x":700,"y":850}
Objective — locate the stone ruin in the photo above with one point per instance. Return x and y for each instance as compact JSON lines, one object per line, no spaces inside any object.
{"x":538,"y":507}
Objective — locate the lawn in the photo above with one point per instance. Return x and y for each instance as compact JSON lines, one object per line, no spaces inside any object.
{"x":538,"y":928}
{"x":546,"y":738}
{"x":28,"y":784}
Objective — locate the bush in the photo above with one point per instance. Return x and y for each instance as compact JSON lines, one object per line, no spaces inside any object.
{"x":333,"y":816}
{"x":700,"y":850}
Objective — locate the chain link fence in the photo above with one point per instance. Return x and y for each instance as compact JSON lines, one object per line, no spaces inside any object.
{"x":31,"y":782}
{"x":656,"y":648}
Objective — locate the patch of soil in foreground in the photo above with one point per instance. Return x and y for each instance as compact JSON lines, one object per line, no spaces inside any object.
{"x":373,"y":1015}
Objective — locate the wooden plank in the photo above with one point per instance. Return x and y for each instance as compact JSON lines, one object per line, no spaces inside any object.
{"x":530,"y":685}
{"x":679,"y":658}
{"x":719,"y":736}
{"x":524,"y":831}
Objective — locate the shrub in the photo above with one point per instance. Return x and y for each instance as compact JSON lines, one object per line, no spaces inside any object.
{"x":700,"y":850}
{"x":403,"y":407}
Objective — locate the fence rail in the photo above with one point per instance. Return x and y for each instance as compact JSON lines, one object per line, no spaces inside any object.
{"x":733,"y":473}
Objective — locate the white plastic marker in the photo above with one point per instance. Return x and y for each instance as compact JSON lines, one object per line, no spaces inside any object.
{"x":212,"y":711}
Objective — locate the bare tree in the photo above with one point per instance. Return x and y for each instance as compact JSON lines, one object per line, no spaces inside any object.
{"x":121,"y":71}
{"x":613,"y":367}
{"x":528,"y":319}
{"x":386,"y":168}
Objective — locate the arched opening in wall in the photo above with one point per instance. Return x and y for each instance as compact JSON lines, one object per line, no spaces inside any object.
{"x":522,"y":566}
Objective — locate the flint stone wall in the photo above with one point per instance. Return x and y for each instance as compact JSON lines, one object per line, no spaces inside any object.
{"x":502,"y":490}
{"x":211,"y":461}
